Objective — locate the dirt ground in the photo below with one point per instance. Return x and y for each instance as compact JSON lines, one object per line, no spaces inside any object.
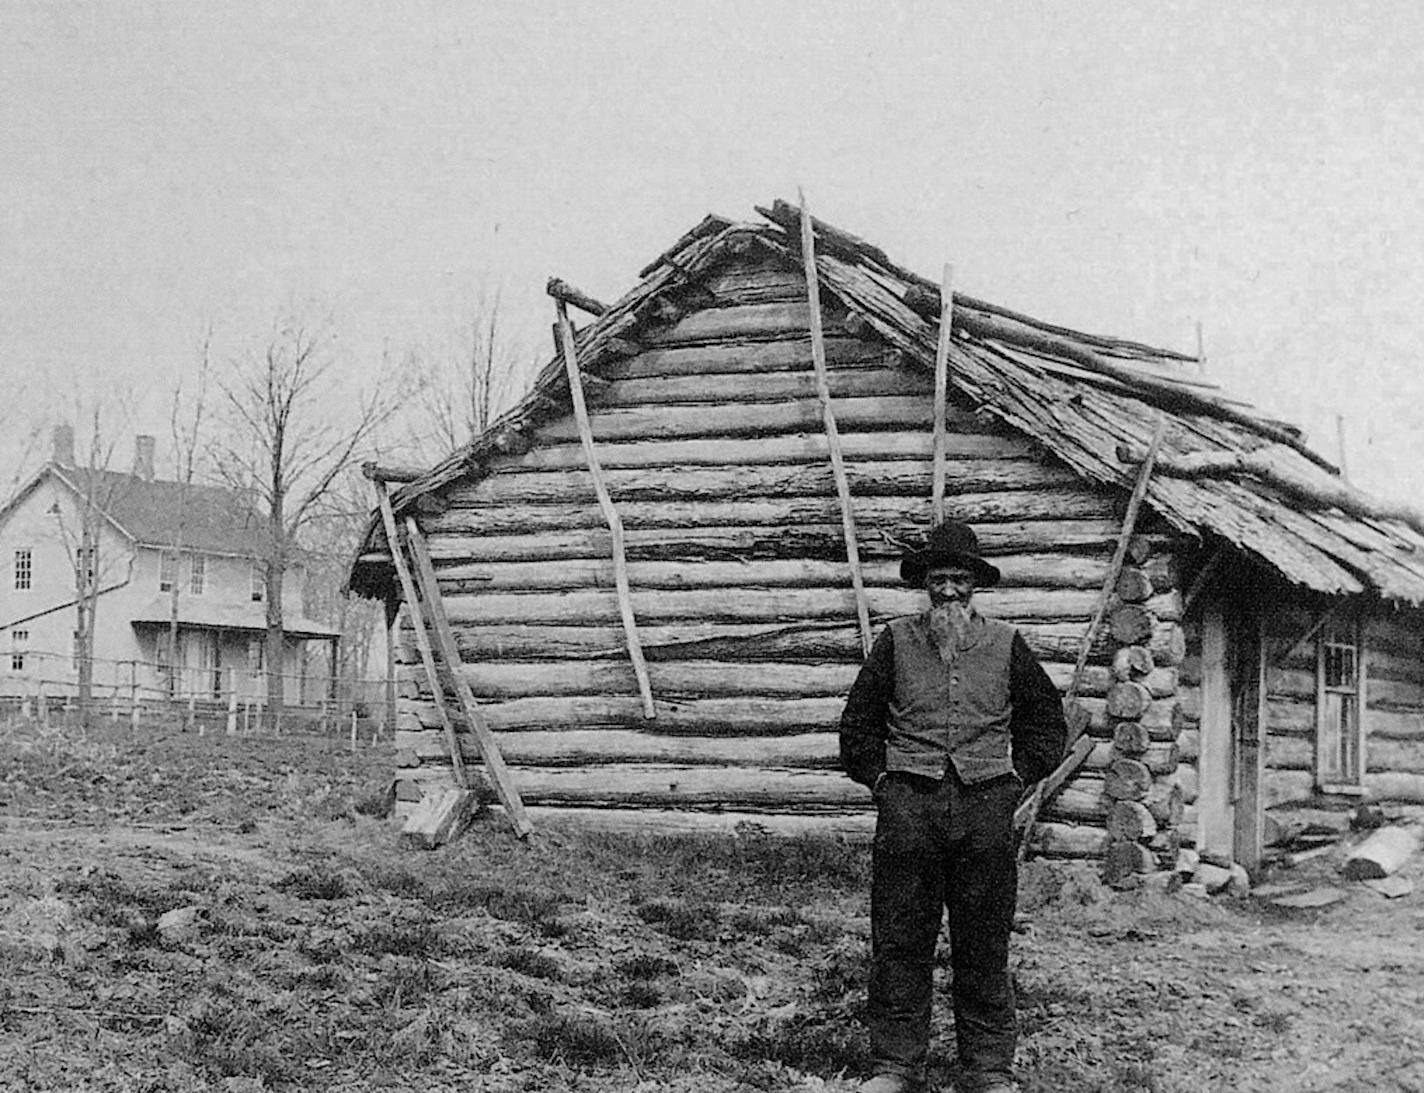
{"x":302,"y":948}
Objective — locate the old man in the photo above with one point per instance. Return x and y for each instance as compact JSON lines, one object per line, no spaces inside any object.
{"x":950,"y":718}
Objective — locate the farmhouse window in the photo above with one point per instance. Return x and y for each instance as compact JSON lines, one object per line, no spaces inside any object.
{"x":167,"y":571}
{"x":259,"y":582}
{"x":1339,"y":707}
{"x":256,"y":655}
{"x":84,"y":559}
{"x":19,"y":642}
{"x":197,"y":574}
{"x":24,"y":569}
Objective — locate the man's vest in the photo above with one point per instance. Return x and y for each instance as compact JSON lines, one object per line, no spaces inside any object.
{"x":944,"y":713}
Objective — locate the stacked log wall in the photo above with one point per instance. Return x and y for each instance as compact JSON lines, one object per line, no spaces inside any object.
{"x":712,"y":448}
{"x":1128,"y":806}
{"x":1394,"y":717}
{"x":1394,"y":713}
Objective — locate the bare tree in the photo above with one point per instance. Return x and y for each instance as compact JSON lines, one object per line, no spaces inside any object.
{"x":295,"y":427}
{"x":328,"y":552}
{"x":24,"y":444}
{"x":186,"y":415}
{"x":99,"y":490}
{"x":460,"y":389}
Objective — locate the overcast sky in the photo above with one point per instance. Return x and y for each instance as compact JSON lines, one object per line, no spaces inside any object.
{"x":1125,"y":169}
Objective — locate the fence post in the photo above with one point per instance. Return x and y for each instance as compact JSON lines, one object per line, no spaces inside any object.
{"x":29,"y":703}
{"x":44,"y":707}
{"x":193,"y":713}
{"x":353,"y":730}
{"x":231,"y":701}
{"x":133,"y":706}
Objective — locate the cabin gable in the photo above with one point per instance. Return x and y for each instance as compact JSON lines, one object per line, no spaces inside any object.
{"x":712,"y":446}
{"x":1201,"y":701}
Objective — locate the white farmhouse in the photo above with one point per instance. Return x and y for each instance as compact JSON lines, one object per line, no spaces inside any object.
{"x":150,"y":536}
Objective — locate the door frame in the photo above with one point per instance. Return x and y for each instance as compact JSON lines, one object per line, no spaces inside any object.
{"x":1230,"y":762}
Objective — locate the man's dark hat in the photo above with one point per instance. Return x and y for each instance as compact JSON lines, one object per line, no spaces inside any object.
{"x":949,"y":543}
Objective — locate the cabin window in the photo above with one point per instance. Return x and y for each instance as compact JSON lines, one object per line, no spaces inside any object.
{"x":24,"y":569}
{"x":167,"y":571}
{"x":197,"y":574}
{"x":256,"y":655}
{"x":19,"y":643}
{"x":1339,"y":707}
{"x":259,"y":582}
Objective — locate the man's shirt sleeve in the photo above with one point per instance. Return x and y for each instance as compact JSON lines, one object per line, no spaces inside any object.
{"x":865,"y":720}
{"x":1036,"y":725}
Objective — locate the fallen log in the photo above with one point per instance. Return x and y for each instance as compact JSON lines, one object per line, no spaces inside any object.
{"x":1382,"y":853}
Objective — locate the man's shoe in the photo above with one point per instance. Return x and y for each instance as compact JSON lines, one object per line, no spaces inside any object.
{"x":891,"y":1083}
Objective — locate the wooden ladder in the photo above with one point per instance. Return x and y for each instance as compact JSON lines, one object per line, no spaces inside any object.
{"x":440,"y":816}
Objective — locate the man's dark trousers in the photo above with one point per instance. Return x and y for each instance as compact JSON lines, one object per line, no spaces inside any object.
{"x":943,"y":845}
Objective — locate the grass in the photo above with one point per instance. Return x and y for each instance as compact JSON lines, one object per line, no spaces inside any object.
{"x":685,"y":921}
{"x":529,"y":962}
{"x":310,"y":883}
{"x":645,"y":966}
{"x":329,"y":958}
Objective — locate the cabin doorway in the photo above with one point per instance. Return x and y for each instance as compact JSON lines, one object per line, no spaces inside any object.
{"x":1232,"y":725}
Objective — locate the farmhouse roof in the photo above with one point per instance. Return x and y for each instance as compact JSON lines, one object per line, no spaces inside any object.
{"x":212,"y":615}
{"x":1094,"y":402}
{"x":216,"y":519}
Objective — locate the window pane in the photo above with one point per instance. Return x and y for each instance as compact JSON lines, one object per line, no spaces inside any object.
{"x":1349,"y":764}
{"x":19,"y":641}
{"x":1328,"y":743}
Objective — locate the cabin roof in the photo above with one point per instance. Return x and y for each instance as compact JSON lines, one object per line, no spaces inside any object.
{"x":1093,"y":401}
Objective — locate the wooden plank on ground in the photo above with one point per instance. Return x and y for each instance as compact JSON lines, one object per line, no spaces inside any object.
{"x":438,"y":818}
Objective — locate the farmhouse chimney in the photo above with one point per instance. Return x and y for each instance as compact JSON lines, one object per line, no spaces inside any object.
{"x":143,"y":457}
{"x":62,"y":445}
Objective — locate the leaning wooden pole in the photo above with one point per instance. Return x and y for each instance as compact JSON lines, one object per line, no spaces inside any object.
{"x":422,"y":635}
{"x":941,"y":395}
{"x":610,"y":511}
{"x":833,"y":437}
{"x":1026,"y":815}
{"x":495,"y":767}
{"x":1124,"y":539}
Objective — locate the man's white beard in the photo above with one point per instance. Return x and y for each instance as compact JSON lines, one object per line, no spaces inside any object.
{"x":949,"y":629}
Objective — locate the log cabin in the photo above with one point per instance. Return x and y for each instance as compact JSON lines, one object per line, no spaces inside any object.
{"x":662,"y":567}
